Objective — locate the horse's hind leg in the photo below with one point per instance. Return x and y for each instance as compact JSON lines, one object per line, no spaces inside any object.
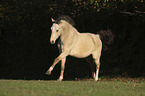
{"x":62,"y":69}
{"x":97,"y":61}
{"x":91,"y":62}
{"x":96,"y":57}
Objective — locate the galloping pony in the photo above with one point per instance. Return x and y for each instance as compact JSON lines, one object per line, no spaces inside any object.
{"x":73,"y":43}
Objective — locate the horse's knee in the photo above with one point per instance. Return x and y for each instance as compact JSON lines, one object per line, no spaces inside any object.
{"x":56,"y":60}
{"x":62,"y":67}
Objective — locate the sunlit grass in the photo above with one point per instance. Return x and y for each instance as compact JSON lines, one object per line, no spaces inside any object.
{"x":105,"y":87}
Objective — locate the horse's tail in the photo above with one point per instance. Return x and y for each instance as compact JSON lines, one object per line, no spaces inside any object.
{"x":107,"y":38}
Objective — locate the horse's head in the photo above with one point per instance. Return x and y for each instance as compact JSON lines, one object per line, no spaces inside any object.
{"x":55,"y":32}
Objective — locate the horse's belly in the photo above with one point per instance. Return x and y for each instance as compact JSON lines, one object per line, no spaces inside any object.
{"x":80,"y":51}
{"x":79,"y":55}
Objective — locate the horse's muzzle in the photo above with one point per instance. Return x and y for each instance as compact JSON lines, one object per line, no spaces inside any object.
{"x":52,"y":42}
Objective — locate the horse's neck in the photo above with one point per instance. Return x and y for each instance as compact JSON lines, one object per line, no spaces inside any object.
{"x":68,"y":32}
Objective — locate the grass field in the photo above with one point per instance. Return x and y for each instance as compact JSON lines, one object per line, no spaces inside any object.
{"x":105,"y":87}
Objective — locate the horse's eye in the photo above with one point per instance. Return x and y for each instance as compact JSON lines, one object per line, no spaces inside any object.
{"x":56,"y":30}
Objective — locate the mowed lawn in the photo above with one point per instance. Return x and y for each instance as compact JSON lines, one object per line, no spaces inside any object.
{"x":113,"y":87}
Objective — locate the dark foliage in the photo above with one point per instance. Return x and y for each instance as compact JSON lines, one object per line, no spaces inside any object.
{"x":26,"y":53}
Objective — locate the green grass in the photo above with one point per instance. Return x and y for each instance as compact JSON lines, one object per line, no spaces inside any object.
{"x":115,"y":87}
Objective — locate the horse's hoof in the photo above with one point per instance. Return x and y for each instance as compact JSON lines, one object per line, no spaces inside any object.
{"x":59,"y":79}
{"x":48,"y":73}
{"x":96,"y":80}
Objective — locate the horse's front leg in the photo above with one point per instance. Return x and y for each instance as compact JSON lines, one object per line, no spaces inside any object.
{"x":60,"y":57}
{"x":62,"y":69}
{"x":53,"y":65}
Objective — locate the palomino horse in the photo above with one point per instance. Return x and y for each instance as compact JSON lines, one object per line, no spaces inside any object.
{"x":73,"y":43}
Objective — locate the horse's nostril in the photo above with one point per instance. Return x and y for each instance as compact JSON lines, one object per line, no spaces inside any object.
{"x":52,"y":42}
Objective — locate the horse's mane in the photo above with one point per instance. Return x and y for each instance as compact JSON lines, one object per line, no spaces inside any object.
{"x":66,"y":18}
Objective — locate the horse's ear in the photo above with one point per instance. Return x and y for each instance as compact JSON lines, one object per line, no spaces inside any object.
{"x":52,"y":20}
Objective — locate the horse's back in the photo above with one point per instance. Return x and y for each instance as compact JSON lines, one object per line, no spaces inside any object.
{"x":93,"y":39}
